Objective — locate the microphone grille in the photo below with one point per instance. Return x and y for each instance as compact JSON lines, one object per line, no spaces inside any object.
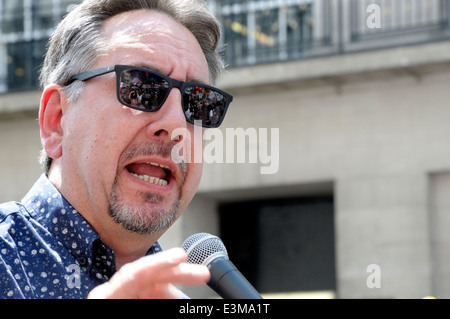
{"x":202,"y":248}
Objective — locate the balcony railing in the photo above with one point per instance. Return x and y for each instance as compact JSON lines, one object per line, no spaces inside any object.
{"x":269,"y":31}
{"x":254,"y":32}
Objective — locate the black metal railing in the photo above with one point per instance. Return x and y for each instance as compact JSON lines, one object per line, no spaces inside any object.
{"x":267,"y":31}
{"x":263,"y":31}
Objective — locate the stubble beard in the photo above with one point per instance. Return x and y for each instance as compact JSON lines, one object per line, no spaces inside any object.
{"x":144,"y":219}
{"x":147,"y":216}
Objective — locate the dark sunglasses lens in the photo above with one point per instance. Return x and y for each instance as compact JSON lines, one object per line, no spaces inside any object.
{"x":205,"y":105}
{"x":142,"y":90}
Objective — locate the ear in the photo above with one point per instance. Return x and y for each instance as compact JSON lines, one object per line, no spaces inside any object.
{"x":50,"y":115}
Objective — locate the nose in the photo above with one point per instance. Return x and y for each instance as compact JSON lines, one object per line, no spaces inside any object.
{"x":169,"y":119}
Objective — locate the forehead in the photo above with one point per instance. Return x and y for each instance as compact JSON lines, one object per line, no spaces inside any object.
{"x":155,"y":40}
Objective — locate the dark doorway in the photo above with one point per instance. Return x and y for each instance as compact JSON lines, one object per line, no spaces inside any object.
{"x":282,"y":245}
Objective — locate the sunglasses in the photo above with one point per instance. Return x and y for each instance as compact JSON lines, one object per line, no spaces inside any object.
{"x":146,"y":90}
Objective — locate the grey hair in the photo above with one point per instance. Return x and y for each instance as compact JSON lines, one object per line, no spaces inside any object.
{"x":77,"y":41}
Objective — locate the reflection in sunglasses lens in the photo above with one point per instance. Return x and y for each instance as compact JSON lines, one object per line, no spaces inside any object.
{"x":143,"y":90}
{"x":203,"y":104}
{"x":147,"y":91}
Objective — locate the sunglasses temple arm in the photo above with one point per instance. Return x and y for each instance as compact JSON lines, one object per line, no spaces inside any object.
{"x":84,"y":76}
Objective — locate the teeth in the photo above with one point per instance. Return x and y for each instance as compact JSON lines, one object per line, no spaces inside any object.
{"x":151,"y":179}
{"x":158,"y":165}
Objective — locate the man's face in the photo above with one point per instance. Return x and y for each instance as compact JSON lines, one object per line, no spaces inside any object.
{"x":114,"y":156}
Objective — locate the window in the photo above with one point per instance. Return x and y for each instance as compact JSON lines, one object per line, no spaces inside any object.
{"x":43,"y":14}
{"x":24,"y":60}
{"x":12,"y":17}
{"x":25,"y":28}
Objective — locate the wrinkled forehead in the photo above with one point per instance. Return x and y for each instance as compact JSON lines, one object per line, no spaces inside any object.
{"x":154,"y":39}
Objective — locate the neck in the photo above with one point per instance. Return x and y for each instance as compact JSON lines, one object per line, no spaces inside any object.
{"x":127,"y":246}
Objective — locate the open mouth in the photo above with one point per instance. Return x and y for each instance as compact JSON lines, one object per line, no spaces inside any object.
{"x":151,"y":172}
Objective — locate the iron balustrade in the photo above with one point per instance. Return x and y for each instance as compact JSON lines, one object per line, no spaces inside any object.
{"x":254,"y":32}
{"x":267,"y":31}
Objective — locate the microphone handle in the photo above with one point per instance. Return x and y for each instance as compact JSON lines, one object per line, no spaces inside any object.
{"x":229,"y":282}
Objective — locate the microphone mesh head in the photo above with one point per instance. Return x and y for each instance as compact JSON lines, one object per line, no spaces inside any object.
{"x":202,"y":248}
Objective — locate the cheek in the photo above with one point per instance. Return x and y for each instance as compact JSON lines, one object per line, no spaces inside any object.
{"x":91,"y":143}
{"x":197,"y":144}
{"x":96,"y":123}
{"x":194,"y":143}
{"x":191,"y":183}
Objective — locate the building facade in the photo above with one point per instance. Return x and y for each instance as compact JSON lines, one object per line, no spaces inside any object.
{"x":343,"y":102}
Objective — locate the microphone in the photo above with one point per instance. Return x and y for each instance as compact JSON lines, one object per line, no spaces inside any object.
{"x":226,"y":280}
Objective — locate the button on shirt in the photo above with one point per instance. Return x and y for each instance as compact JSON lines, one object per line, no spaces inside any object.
{"x":48,"y":250}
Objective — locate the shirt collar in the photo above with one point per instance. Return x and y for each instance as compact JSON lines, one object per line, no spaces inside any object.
{"x":52,"y":211}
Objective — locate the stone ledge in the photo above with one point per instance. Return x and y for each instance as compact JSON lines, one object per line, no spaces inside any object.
{"x":408,"y":60}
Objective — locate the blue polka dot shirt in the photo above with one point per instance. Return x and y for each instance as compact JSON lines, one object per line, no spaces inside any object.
{"x":48,"y":250}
